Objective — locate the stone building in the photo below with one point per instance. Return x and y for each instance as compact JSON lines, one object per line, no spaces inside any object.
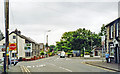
{"x":113,"y":39}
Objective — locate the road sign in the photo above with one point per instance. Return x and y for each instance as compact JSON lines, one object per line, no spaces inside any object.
{"x":12,"y":46}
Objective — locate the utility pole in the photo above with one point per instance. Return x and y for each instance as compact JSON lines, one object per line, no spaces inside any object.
{"x":6,"y":4}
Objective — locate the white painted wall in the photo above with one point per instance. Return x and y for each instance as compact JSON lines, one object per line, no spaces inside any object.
{"x":21,"y":43}
{"x":1,"y":52}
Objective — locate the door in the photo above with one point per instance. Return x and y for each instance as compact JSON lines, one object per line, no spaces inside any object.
{"x":116,"y":54}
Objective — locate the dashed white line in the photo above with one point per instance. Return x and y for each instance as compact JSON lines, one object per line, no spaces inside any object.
{"x":66,"y":69}
{"x":36,"y":66}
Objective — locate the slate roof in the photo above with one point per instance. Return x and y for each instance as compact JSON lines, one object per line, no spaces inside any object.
{"x":24,"y":37}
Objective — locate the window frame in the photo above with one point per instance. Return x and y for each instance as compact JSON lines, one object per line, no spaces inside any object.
{"x":111,"y":31}
{"x":117,"y":29}
{"x":14,"y":37}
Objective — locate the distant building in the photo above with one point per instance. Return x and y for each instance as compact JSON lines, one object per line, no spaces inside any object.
{"x":26,"y":47}
{"x":113,"y":39}
{"x":97,"y":52}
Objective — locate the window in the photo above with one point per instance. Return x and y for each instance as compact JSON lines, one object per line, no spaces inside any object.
{"x":111,"y":31}
{"x":29,"y":47}
{"x":14,"y":55}
{"x":112,"y":52}
{"x":14,"y":37}
{"x":27,"y":54}
{"x":3,"y":54}
{"x":25,"y":48}
{"x":117,"y":29}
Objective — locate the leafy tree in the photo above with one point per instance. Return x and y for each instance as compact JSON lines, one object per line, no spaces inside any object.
{"x":1,"y":35}
{"x":52,"y":47}
{"x":76,"y":40}
{"x":103,"y":30}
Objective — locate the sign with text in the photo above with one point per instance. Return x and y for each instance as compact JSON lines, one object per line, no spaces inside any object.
{"x":12,"y":46}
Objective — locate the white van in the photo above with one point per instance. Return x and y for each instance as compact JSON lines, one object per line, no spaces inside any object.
{"x":62,"y":54}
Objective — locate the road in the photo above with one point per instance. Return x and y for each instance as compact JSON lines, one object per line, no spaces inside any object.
{"x":56,"y":64}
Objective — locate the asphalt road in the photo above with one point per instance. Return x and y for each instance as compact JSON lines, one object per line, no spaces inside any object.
{"x":57,"y":64}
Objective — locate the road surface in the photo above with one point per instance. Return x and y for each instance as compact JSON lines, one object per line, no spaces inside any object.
{"x":57,"y":64}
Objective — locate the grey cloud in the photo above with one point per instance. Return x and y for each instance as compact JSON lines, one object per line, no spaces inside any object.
{"x":34,"y":18}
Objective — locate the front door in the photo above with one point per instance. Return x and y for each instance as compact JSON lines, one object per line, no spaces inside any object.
{"x":116,"y":54}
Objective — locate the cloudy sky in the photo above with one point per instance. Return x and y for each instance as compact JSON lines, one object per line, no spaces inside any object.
{"x":35,"y":17}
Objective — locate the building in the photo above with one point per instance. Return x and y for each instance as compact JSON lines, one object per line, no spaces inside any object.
{"x":113,"y":39}
{"x":26,"y":47}
{"x":97,"y":52}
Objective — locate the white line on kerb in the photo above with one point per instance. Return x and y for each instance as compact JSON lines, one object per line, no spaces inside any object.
{"x":66,"y":69}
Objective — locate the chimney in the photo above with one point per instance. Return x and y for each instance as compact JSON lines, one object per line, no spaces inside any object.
{"x":18,"y":32}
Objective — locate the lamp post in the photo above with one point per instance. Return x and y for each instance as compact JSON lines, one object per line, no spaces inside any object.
{"x":47,"y":40}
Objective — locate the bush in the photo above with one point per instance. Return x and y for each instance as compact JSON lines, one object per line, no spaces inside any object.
{"x":50,"y":53}
{"x":87,"y":53}
{"x":42,"y":53}
{"x":81,"y":55}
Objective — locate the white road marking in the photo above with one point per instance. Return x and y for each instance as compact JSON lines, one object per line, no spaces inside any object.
{"x":66,"y":69}
{"x":42,"y":65}
{"x":36,"y":66}
{"x":68,"y":59}
{"x":29,"y":66}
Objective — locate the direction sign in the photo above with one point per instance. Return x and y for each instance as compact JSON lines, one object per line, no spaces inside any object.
{"x":12,"y":46}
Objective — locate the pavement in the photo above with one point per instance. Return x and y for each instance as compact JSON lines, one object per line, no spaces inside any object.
{"x":105,"y":65}
{"x":99,"y":63}
{"x":14,"y":68}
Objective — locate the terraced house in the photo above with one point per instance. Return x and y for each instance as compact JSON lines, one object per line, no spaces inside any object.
{"x":26,"y":47}
{"x":113,"y":39}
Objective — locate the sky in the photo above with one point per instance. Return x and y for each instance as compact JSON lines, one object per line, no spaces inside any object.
{"x":35,"y":17}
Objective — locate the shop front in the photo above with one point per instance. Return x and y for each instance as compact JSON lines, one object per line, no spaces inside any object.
{"x":114,"y":51}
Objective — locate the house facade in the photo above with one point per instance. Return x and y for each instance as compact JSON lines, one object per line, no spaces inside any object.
{"x":25,"y":46}
{"x":113,"y":39}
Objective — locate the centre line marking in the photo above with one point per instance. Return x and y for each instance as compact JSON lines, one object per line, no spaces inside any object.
{"x":66,"y":69}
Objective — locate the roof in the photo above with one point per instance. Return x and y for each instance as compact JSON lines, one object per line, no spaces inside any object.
{"x":112,"y":21}
{"x":24,"y":37}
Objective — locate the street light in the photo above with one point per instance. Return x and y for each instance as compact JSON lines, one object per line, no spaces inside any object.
{"x":47,"y":40}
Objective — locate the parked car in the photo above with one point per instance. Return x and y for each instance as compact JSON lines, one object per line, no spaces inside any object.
{"x":62,"y":54}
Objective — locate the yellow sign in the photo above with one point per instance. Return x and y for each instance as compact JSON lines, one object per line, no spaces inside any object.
{"x":12,"y":46}
{"x":7,"y":54}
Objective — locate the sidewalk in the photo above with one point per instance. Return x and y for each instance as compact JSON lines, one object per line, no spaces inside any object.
{"x":14,"y":69}
{"x":86,"y":57}
{"x":110,"y":66}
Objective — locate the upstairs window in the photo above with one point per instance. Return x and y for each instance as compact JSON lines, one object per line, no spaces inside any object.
{"x":14,"y":37}
{"x":111,"y":31}
{"x":117,"y":30}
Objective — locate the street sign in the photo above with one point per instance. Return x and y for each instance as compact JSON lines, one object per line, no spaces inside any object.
{"x":12,"y":46}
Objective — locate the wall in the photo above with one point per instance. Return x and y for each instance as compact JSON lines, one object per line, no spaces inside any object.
{"x":21,"y":44}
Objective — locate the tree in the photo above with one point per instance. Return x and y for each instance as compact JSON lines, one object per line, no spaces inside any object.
{"x":1,"y":35}
{"x":103,"y":31}
{"x":76,"y":40}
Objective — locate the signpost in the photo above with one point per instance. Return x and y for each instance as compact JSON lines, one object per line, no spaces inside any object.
{"x":12,"y":46}
{"x":103,"y":45}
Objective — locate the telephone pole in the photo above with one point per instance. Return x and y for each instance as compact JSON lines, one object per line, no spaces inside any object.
{"x":6,"y":5}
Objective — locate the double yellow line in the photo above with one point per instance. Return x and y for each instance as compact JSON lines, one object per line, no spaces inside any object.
{"x":25,"y":70}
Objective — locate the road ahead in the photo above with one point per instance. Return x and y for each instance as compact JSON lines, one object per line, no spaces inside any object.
{"x":56,"y":64}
